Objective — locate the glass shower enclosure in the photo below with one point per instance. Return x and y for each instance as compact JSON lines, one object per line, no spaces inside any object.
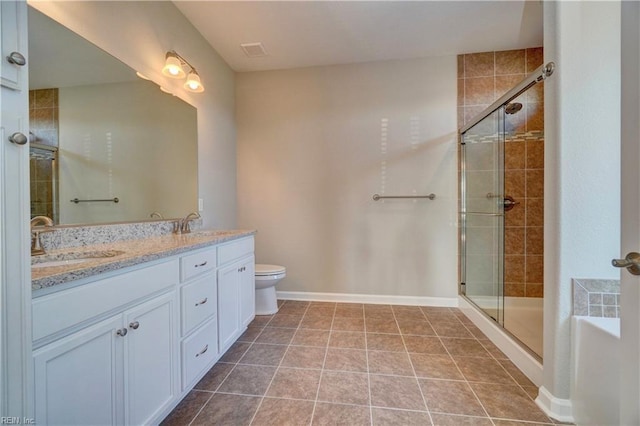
{"x":482,"y":214}
{"x":501,"y":176}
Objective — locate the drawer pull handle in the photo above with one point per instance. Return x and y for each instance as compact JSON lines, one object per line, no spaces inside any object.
{"x":202,"y":302}
{"x":134,"y":325}
{"x":201,"y":264}
{"x":122,"y":332}
{"x":206,"y":348}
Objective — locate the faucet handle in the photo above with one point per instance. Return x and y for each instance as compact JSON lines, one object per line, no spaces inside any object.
{"x":186,"y":228}
{"x":177,"y":227}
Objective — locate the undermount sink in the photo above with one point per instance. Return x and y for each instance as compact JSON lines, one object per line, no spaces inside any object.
{"x":71,"y":258}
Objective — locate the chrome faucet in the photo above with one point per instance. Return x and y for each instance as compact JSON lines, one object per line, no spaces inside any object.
{"x":36,"y":230}
{"x":185,"y":228}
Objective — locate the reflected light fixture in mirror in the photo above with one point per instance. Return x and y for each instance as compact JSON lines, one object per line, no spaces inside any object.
{"x":173,"y":68}
{"x":142,"y":76}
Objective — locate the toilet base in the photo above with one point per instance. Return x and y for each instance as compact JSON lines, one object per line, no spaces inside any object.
{"x":266,"y":301}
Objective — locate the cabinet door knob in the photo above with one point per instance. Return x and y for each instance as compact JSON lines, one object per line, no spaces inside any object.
{"x":18,"y":138}
{"x":134,"y":325}
{"x":206,"y":348}
{"x":17,"y":58}
{"x":202,"y":264}
{"x":202,"y":302}
{"x":122,"y":332}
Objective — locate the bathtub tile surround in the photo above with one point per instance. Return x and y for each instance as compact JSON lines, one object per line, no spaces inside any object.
{"x":596,"y":298}
{"x":483,"y":78}
{"x":422,"y":369}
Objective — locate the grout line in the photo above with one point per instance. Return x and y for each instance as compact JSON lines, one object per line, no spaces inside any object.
{"x":415,"y":375}
{"x":462,"y":374}
{"x":366,"y":352}
{"x":200,"y":410}
{"x":279,"y":364}
{"x":326,"y":351}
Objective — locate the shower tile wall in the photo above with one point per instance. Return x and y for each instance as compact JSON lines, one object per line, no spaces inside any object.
{"x":483,"y":78}
{"x":43,"y":128}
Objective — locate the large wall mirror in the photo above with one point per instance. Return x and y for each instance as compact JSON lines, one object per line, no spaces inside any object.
{"x":106,"y":145}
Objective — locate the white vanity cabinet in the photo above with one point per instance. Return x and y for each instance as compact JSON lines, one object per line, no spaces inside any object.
{"x":119,"y":370}
{"x":236,"y":290}
{"x":124,"y":347}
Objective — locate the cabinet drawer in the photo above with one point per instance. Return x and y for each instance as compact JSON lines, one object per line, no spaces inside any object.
{"x":197,"y":263}
{"x":58,"y":311}
{"x":198,"y":351}
{"x":198,"y":301}
{"x":234,"y":250}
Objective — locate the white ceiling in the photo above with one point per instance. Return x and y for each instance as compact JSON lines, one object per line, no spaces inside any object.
{"x":310,"y":33}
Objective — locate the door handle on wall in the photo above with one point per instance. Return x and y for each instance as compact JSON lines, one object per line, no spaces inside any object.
{"x":631,"y":262}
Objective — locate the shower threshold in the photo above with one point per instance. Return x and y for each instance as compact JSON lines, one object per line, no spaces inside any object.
{"x":522,"y":318}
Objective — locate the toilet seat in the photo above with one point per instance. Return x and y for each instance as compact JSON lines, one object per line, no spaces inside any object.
{"x":268,"y":270}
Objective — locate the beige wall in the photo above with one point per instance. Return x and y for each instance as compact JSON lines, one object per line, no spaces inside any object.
{"x":140,"y":33}
{"x":315,"y":144}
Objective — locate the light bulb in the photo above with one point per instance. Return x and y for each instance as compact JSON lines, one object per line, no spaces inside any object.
{"x":173,"y":66}
{"x":193,"y":83}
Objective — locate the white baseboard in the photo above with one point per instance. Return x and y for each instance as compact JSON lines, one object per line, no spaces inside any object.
{"x":559,"y":409}
{"x":526,"y":362}
{"x":450,"y":302}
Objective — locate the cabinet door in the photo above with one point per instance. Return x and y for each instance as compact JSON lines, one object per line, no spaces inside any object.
{"x":150,"y":359}
{"x":15,"y":295}
{"x":77,"y":381}
{"x":228,"y":305}
{"x":247,"y":291}
{"x":12,"y":17}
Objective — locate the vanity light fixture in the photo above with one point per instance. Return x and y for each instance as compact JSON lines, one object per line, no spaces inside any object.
{"x":173,"y":67}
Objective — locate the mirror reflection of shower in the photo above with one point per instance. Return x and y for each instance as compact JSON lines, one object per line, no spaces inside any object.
{"x":43,"y":169}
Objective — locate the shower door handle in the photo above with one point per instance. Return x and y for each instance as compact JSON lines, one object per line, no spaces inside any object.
{"x":509,"y":203}
{"x":631,"y":262}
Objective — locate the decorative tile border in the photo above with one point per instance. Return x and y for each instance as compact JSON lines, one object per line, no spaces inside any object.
{"x":596,"y":298}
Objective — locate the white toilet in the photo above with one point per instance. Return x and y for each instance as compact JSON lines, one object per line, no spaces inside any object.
{"x":267,"y":276}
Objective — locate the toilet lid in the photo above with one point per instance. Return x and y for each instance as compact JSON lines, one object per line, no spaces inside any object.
{"x":269,"y":269}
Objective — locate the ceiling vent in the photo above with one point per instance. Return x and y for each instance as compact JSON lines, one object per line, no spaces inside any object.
{"x":253,"y":50}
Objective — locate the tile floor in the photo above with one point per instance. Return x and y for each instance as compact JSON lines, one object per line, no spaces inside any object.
{"x":353,"y":364}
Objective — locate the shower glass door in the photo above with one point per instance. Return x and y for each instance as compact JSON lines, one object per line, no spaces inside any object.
{"x":482,"y":214}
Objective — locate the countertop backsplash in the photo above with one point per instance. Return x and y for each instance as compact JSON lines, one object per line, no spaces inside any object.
{"x":64,"y":237}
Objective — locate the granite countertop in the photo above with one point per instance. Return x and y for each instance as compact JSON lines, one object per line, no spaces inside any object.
{"x":133,"y":252}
